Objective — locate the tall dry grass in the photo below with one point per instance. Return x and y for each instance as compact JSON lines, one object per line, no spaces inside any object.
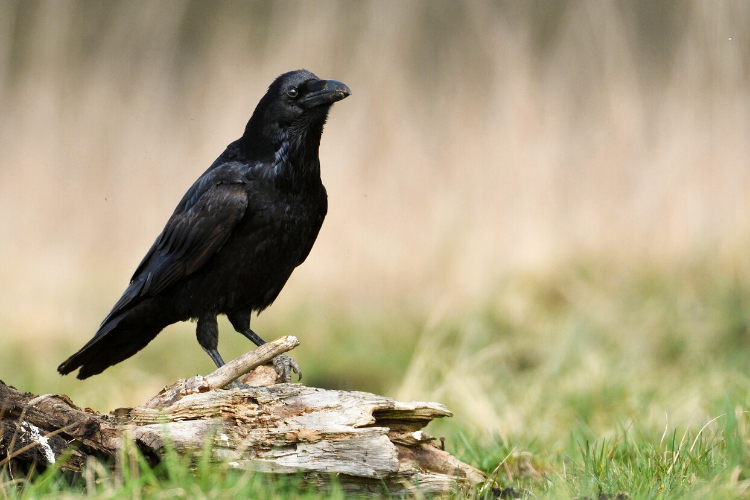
{"x":481,"y":138}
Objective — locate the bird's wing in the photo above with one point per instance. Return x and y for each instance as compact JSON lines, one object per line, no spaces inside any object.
{"x":316,"y":224}
{"x":189,"y":239}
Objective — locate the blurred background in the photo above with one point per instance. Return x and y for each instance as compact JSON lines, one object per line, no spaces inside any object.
{"x":539,"y":211}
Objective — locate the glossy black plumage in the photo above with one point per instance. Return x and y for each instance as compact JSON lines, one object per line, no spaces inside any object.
{"x":235,"y":237}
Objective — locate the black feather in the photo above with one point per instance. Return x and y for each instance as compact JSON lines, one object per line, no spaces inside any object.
{"x":237,"y":234}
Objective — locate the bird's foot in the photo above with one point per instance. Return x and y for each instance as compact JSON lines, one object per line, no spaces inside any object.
{"x":237,"y":385}
{"x":284,"y":366}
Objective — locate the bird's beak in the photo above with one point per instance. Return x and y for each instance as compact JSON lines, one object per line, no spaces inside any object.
{"x":325,"y":92}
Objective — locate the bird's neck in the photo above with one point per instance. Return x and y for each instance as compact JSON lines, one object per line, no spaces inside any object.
{"x":291,"y":150}
{"x":294,"y":159}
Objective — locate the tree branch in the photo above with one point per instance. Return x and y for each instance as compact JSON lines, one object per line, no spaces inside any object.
{"x":248,"y":361}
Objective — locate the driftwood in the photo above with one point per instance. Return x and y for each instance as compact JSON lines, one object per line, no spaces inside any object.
{"x":367,"y":441}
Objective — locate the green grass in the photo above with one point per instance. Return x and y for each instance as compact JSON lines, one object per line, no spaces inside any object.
{"x":593,"y":379}
{"x":175,"y":477}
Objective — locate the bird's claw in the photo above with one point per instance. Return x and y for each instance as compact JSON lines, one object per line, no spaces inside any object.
{"x":284,"y":366}
{"x":237,"y":385}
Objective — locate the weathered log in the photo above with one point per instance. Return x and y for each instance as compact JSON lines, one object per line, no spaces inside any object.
{"x":367,"y":441}
{"x":36,"y":430}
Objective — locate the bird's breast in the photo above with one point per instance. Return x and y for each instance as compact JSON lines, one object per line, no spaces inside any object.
{"x":263,"y":251}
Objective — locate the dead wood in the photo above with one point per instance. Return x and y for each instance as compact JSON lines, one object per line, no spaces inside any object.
{"x":366,"y":441}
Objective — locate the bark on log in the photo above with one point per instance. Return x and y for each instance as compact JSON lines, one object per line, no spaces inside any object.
{"x":366,"y":440}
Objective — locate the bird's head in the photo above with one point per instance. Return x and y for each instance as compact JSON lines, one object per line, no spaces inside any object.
{"x":294,"y":109}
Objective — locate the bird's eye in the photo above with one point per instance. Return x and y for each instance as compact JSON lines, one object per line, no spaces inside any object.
{"x":292,"y":93}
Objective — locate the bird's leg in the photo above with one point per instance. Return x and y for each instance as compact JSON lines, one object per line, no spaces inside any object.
{"x":283,"y":364}
{"x":207,"y":332}
{"x":254,"y":337}
{"x":216,"y":357}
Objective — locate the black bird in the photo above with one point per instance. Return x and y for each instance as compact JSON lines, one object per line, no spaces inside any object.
{"x":235,"y":237}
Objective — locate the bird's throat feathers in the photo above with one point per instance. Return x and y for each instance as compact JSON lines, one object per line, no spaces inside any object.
{"x":292,"y":149}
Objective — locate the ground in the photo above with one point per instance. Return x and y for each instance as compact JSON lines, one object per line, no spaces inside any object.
{"x":591,"y":379}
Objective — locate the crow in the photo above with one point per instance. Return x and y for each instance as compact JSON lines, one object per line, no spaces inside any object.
{"x":235,"y":237}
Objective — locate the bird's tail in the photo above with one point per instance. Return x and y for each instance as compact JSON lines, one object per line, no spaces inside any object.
{"x":116,"y":340}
